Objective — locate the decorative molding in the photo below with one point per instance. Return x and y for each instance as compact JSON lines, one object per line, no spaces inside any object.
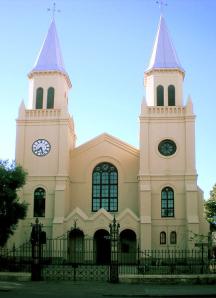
{"x":101,"y":212}
{"x":193,"y":220}
{"x":51,"y":72}
{"x":145,"y":220}
{"x":145,"y":187}
{"x":127,"y":213}
{"x":191,"y":187}
{"x":58,"y":220}
{"x":106,"y":138}
{"x":76,"y":211}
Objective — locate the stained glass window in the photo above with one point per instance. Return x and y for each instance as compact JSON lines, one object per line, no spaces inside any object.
{"x":39,"y":202}
{"x":105,"y":187}
{"x":39,"y":98}
{"x":171,"y":95}
{"x":167,"y":202}
{"x":50,"y":98}
{"x":173,"y":237}
{"x":162,"y":238}
{"x":160,"y":95}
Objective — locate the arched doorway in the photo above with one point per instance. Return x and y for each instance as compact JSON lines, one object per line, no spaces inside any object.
{"x":76,"y":246}
{"x":102,"y":247}
{"x":128,"y":246}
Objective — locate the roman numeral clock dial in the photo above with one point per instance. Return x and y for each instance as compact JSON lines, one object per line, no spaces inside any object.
{"x":41,"y":147}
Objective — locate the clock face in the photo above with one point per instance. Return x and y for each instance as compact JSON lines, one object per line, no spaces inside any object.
{"x":41,"y":147}
{"x":167,"y":147}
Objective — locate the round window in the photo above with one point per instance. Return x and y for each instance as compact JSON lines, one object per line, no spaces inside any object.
{"x":167,"y":147}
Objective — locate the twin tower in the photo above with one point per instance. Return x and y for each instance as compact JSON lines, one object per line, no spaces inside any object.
{"x":152,"y":191}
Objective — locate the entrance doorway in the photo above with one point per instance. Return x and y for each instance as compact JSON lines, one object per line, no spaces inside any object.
{"x":102,"y":247}
{"x":128,"y":246}
{"x":76,"y":246}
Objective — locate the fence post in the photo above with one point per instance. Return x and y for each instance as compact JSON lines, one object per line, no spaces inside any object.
{"x":114,"y":239}
{"x":36,"y":251}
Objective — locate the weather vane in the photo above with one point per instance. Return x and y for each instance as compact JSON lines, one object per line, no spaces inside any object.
{"x":53,"y":9}
{"x":161,"y":4}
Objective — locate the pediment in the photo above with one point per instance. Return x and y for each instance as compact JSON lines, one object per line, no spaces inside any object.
{"x":127,"y":213}
{"x":110,"y":140}
{"x":102,"y":213}
{"x":77,"y":212}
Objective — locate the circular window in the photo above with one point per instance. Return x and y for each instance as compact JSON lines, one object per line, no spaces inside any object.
{"x":167,"y":147}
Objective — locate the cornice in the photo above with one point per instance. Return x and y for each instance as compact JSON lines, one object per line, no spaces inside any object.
{"x":50,"y":72}
{"x":163,"y":70}
{"x":106,"y":138}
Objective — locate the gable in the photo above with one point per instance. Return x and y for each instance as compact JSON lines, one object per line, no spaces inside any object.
{"x":110,"y":140}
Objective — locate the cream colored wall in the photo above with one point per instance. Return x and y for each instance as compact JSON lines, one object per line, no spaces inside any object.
{"x":164,"y":78}
{"x":46,"y":80}
{"x":157,"y":126}
{"x":83,"y":161}
{"x":177,"y":171}
{"x":56,"y":132}
{"x":51,"y":171}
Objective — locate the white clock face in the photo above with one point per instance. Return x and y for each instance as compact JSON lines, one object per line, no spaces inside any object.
{"x":41,"y":147}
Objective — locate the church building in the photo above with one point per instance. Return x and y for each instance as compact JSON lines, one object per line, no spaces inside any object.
{"x":152,"y":190}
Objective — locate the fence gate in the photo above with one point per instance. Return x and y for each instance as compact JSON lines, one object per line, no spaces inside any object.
{"x":73,"y":257}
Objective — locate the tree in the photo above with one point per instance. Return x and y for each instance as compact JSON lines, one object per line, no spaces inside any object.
{"x":210,"y":206}
{"x":12,"y":178}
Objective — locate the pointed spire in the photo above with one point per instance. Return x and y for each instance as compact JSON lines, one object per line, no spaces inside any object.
{"x":143,"y":105}
{"x":189,"y":105}
{"x":50,"y":58}
{"x":22,"y":110}
{"x":164,"y":54}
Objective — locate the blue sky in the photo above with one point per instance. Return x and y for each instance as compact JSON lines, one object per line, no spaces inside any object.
{"x":106,"y":46}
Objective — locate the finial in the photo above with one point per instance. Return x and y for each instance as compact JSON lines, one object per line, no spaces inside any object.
{"x":162,"y":4}
{"x":75,"y":223}
{"x":53,"y":9}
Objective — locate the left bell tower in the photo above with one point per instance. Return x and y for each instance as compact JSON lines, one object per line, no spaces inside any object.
{"x":45,"y":135}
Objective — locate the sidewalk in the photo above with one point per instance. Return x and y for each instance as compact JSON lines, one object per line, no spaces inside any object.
{"x":68,"y":289}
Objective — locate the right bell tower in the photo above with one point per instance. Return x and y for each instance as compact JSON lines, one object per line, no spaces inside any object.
{"x":169,"y":198}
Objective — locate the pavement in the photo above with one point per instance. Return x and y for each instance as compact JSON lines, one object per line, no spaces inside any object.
{"x":66,"y":289}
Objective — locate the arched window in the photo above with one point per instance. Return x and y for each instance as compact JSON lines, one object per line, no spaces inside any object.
{"x":105,"y":187}
{"x":162,"y":238}
{"x":160,"y":95}
{"x":171,"y":95}
{"x":173,"y":237}
{"x":39,"y":202}
{"x":39,"y":98}
{"x":167,"y":202}
{"x":50,"y":98}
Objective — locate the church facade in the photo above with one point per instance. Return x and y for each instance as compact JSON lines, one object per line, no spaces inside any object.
{"x":152,"y":191}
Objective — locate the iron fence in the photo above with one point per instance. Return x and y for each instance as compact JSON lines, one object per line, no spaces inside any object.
{"x":175,"y":262}
{"x":16,"y":259}
{"x":82,"y":260}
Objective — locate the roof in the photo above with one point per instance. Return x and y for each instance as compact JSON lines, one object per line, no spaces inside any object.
{"x":50,"y":57}
{"x":164,"y":54}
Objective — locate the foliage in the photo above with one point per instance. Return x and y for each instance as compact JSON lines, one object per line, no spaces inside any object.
{"x":12,"y":178}
{"x":210,"y":206}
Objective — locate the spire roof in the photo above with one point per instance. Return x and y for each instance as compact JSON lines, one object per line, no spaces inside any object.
{"x":164,"y":54}
{"x":50,"y":58}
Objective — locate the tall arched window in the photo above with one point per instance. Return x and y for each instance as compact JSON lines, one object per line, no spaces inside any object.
{"x":160,"y":95}
{"x":167,"y":202}
{"x":39,"y":98}
{"x":39,"y":202}
{"x":50,"y":98}
{"x":173,"y":237}
{"x":171,"y":95}
{"x":105,"y":187}
{"x":162,"y":238}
